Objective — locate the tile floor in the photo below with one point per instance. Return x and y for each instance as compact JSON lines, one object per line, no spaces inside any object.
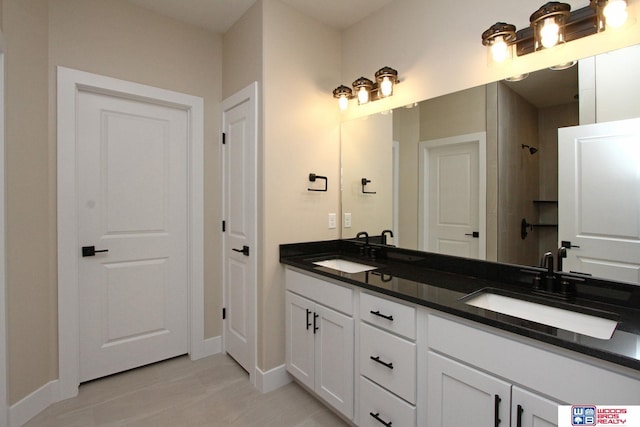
{"x":213,"y":391}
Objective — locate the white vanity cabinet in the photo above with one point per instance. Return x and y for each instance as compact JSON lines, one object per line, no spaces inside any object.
{"x":469,"y":366}
{"x":382,"y":361}
{"x":320,"y":338}
{"x":387,"y":362}
{"x":468,"y":396}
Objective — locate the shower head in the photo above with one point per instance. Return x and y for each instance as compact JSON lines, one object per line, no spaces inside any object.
{"x":532,"y":150}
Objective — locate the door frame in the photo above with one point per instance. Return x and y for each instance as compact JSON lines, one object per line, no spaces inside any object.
{"x":70,"y":83}
{"x":248,"y":94}
{"x":4,"y":402}
{"x":423,"y":186}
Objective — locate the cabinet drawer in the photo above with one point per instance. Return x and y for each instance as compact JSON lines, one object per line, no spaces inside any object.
{"x":390,"y":315}
{"x":384,"y":405}
{"x":337,"y":297}
{"x":394,"y":367}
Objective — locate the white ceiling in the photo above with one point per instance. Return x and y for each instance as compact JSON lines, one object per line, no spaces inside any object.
{"x":220,"y":15}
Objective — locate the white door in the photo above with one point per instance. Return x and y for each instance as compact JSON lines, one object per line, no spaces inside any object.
{"x":300,"y":350}
{"x":530,"y":410}
{"x":462,"y":396}
{"x":452,"y":190}
{"x":599,"y":198}
{"x":334,"y":354}
{"x":240,"y":224}
{"x":132,"y":202}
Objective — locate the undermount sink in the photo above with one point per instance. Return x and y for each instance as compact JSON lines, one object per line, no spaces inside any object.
{"x":344,"y":265}
{"x":586,"y":324}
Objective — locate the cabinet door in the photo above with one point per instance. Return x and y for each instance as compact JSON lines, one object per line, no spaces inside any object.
{"x":299,"y":338}
{"x":334,"y":342}
{"x":459,"y":395}
{"x":531,"y":410}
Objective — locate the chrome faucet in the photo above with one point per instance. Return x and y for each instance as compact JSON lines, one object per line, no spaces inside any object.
{"x":383,"y":236}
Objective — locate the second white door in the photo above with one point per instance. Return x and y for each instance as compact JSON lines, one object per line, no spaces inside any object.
{"x":240,"y":224}
{"x":452,"y":190}
{"x":132,"y":196}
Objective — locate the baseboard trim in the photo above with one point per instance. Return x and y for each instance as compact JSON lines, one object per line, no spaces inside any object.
{"x":31,"y":405}
{"x":212,"y":346}
{"x":272,"y":379}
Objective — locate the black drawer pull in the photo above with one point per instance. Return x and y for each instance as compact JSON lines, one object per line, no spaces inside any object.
{"x":377,"y":313}
{"x":377,"y":359}
{"x":308,"y":322}
{"x":496,"y":407}
{"x":380,"y":420}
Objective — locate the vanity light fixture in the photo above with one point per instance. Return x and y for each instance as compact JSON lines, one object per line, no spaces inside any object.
{"x":611,"y":13}
{"x":366,"y":90}
{"x":499,"y":38}
{"x":343,"y":94}
{"x":548,"y":24}
{"x":552,"y":24}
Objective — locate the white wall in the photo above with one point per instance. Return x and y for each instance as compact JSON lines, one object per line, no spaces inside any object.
{"x":301,"y":135}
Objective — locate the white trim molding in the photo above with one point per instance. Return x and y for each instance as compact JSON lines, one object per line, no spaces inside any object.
{"x":70,"y":84}
{"x":272,"y":379}
{"x":4,"y":410}
{"x":31,"y":405}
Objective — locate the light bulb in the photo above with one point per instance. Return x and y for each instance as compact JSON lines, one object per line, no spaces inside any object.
{"x":343,"y":102}
{"x":615,"y":12}
{"x":386,"y":87}
{"x":499,"y":49}
{"x":549,"y":33}
{"x":363,"y":95}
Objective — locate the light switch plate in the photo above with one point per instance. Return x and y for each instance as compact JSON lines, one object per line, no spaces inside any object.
{"x":332,"y":220}
{"x":347,"y":220}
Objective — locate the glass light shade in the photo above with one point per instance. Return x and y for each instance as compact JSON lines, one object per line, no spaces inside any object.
{"x":549,"y":33}
{"x":363,"y":95}
{"x":548,"y":24}
{"x":499,"y":38}
{"x":615,"y":13}
{"x":343,"y":102}
{"x":499,"y":49}
{"x":386,"y":87}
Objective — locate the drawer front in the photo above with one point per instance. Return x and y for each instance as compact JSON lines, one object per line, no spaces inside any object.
{"x":378,"y":406}
{"x":389,"y":361}
{"x":337,"y":297}
{"x":390,"y":315}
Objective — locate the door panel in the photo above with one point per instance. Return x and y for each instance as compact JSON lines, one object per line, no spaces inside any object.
{"x":535,"y":411}
{"x":239,"y":214}
{"x":334,"y":354}
{"x":452,"y":192}
{"x":599,"y":198}
{"x":300,"y":354}
{"x":132,"y":188}
{"x":459,"y":395}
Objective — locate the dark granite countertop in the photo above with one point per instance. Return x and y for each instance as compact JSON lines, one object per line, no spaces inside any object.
{"x":439,"y":282}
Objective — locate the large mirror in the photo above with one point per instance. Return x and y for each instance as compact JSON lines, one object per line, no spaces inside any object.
{"x":475,"y":173}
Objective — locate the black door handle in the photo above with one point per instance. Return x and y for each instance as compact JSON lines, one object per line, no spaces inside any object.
{"x":91,"y":251}
{"x":244,"y":251}
{"x":496,"y":409}
{"x":475,"y":234}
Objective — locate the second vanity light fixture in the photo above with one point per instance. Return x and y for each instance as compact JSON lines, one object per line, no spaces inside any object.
{"x":552,"y":24}
{"x":367,"y":90}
